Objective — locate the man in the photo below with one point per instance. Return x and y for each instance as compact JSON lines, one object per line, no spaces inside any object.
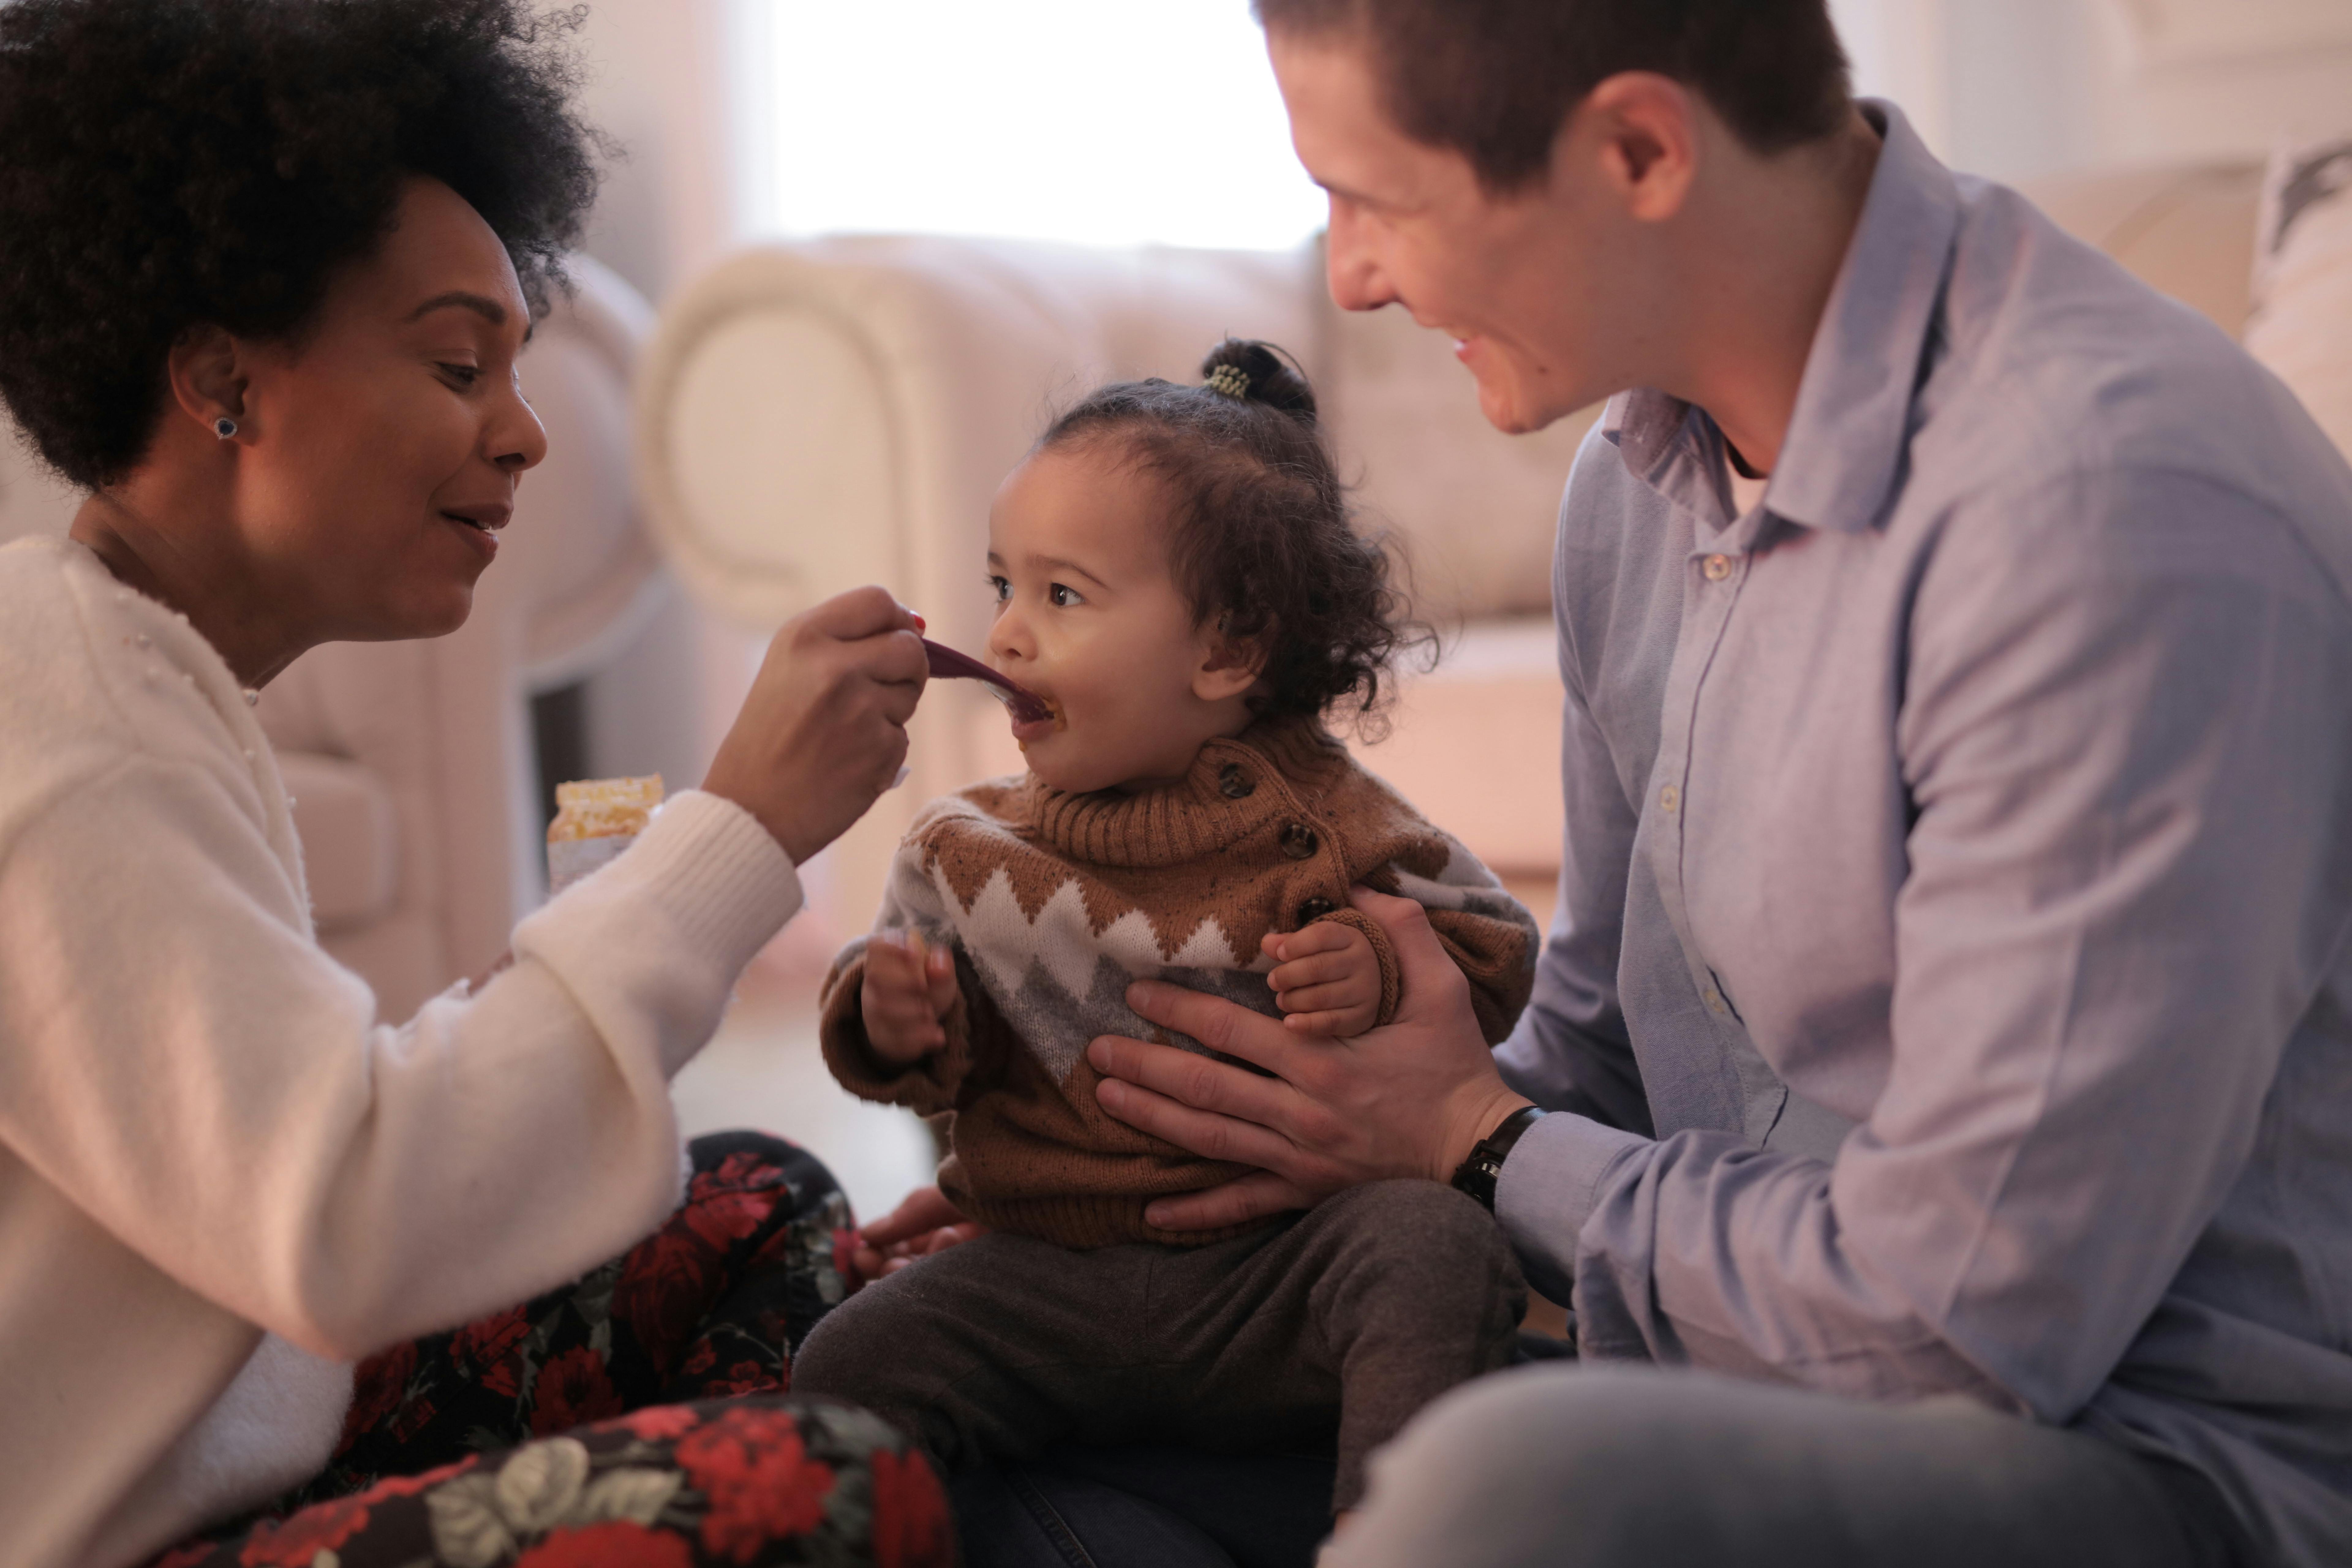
{"x":1947,"y":1025}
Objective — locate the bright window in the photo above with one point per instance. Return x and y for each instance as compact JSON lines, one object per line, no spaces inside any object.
{"x":1094,"y":122}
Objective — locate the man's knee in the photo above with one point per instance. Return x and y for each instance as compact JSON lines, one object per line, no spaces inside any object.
{"x":1539,"y":1466}
{"x":1535,"y":1432}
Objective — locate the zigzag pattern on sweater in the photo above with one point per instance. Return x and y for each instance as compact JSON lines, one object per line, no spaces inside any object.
{"x":1059,"y":976}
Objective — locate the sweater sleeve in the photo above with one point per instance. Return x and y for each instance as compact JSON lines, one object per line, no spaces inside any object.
{"x":1497,"y":952}
{"x":190,"y":1068}
{"x":1488,"y":933}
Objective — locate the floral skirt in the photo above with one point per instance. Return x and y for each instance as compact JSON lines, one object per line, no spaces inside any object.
{"x":638,"y":1415}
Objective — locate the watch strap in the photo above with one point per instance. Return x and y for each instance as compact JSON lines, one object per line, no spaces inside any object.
{"x":1477,"y":1174}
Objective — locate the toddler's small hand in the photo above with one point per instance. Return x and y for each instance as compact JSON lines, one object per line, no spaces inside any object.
{"x":1326,"y":979}
{"x":909,"y":988}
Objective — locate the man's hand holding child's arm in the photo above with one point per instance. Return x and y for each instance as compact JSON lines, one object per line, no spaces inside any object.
{"x":909,"y":989}
{"x":1326,"y":980}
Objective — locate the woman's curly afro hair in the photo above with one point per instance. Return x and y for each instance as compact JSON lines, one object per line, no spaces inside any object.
{"x":1261,"y":536}
{"x":167,"y":163}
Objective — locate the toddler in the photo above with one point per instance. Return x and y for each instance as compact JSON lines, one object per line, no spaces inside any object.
{"x":1176,"y":574}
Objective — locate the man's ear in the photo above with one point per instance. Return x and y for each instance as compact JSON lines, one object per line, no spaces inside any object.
{"x":1229,"y":665}
{"x":1642,"y":129}
{"x":208,"y":376}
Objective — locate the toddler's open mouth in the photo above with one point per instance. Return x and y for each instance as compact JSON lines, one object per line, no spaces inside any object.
{"x":1027,"y":730}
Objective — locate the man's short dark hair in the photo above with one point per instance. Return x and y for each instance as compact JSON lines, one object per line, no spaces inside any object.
{"x":167,"y":163}
{"x":1494,"y":79}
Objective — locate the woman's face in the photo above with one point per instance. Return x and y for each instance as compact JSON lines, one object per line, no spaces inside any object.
{"x":1089,"y":618}
{"x":382,"y":442}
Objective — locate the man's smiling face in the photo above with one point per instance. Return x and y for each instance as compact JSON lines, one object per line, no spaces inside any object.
{"x":1513,"y":279}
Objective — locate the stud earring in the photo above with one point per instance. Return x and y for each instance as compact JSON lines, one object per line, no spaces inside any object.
{"x":224,"y":428}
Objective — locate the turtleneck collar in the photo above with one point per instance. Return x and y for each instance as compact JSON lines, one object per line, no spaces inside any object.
{"x":1274,"y":769}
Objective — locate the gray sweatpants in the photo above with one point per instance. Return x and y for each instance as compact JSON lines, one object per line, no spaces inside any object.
{"x":1345,"y":1321}
{"x":1599,"y":1467}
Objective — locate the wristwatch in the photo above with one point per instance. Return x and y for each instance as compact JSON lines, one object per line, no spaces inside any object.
{"x":1477,"y":1176}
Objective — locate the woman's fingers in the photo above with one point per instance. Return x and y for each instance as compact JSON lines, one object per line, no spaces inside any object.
{"x":1237,"y":1202}
{"x":947,"y":1236}
{"x":924,"y":1210}
{"x":823,"y":730}
{"x":864,"y":613}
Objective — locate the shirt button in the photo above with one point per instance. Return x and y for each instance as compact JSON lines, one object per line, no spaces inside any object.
{"x":1670,"y":799}
{"x":1234,"y":783}
{"x":1298,"y":840}
{"x":1712,"y":998}
{"x":1718,"y":568}
{"x":1314,"y":909}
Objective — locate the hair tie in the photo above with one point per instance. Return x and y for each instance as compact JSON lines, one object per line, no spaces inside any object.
{"x":1230,"y":379}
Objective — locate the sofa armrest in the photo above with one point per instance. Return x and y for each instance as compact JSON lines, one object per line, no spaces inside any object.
{"x":818,"y":416}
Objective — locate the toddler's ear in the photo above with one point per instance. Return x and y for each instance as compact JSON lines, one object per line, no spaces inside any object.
{"x":1229,"y":665}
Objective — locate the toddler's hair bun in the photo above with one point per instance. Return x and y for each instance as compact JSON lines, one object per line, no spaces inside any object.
{"x":1274,"y":378}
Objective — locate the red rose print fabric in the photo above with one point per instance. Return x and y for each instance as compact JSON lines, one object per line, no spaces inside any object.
{"x":635,"y":1416}
{"x":742,"y":1483}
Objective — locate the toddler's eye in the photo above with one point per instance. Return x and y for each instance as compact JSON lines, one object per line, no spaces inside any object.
{"x":1062,"y":597}
{"x":1000,"y":588}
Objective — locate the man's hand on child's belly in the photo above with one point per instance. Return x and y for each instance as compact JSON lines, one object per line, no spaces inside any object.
{"x":1411,"y":1098}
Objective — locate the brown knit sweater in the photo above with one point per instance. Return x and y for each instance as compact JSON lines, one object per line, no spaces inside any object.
{"x":1053,"y":902}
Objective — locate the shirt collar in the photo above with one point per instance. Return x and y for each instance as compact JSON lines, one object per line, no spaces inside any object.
{"x":1848,"y":432}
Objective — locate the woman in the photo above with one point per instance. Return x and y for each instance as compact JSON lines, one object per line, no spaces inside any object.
{"x":265,"y":271}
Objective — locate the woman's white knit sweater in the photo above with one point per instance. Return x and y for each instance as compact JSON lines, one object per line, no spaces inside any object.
{"x":206,"y":1134}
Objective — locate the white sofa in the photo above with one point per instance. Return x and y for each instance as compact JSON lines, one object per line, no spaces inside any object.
{"x":411,"y":763}
{"x":816,"y":416}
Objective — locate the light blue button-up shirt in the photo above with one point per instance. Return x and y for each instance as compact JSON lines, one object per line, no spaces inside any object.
{"x":1950,"y":972}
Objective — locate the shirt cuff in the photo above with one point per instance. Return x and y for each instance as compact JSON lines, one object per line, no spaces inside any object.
{"x":1550,"y":1186}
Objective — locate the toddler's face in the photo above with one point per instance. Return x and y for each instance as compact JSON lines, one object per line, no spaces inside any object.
{"x":1089,"y":618}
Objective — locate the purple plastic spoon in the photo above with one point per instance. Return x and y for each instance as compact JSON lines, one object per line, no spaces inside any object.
{"x":1026,"y":706}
